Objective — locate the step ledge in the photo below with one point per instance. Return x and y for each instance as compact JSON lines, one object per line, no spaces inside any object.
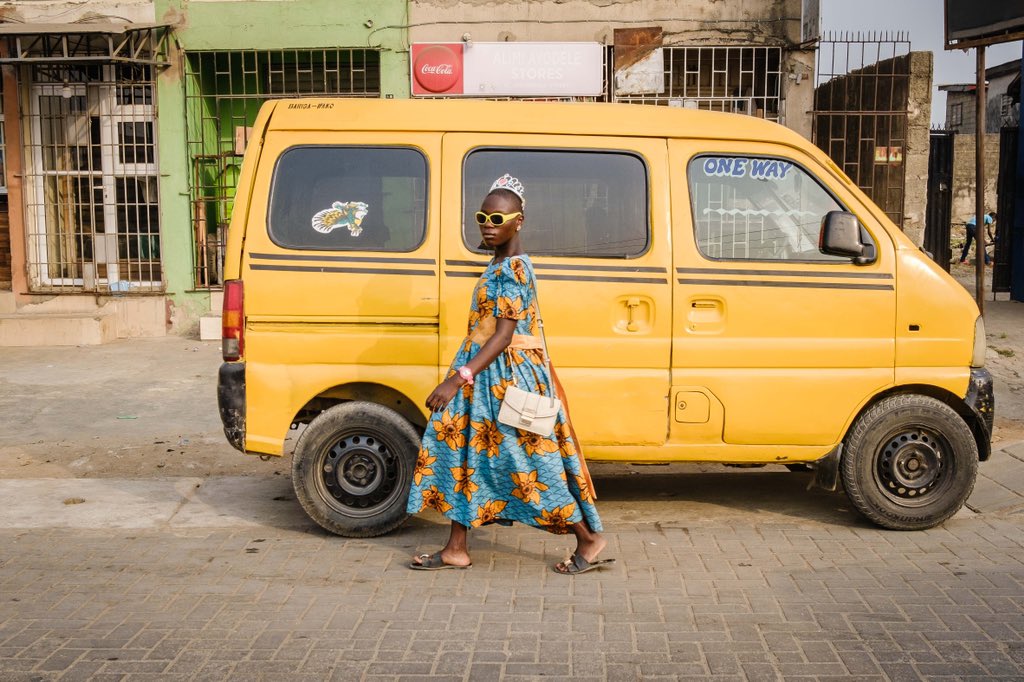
{"x":90,"y":315}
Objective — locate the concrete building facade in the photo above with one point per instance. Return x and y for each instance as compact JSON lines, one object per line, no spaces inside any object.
{"x":743,"y":57}
{"x":125,"y":125}
{"x":1002,"y":101}
{"x":126,"y":120}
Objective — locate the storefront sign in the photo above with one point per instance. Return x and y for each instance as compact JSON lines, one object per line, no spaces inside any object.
{"x":437,"y":69}
{"x":507,"y":69}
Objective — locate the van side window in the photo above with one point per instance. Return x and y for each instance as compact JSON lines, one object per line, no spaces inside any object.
{"x":338,"y":198}
{"x":757,"y":208}
{"x":590,"y":204}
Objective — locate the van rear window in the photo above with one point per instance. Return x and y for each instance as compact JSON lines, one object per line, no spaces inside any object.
{"x":339,"y":198}
{"x":582,"y":203}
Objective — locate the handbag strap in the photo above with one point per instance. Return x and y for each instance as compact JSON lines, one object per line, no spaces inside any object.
{"x":543,"y":336}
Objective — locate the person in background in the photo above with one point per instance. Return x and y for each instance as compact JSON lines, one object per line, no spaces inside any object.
{"x":972,"y":234}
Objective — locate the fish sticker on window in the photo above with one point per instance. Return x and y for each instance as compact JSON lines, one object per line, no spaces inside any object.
{"x":349,"y":214}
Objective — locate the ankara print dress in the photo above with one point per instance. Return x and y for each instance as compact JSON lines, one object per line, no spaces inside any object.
{"x":472,"y":468}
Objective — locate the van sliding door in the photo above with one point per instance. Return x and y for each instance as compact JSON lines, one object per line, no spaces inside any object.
{"x":599,"y":240}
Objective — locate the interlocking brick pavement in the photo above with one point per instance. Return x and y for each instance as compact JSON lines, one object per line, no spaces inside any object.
{"x":768,"y":588}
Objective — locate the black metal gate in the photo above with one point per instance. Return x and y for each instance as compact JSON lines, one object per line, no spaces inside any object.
{"x":860,"y":112}
{"x":1006,"y":188}
{"x":940,"y":197}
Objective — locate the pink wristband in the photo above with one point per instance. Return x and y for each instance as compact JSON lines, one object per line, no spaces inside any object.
{"x":466,"y":373}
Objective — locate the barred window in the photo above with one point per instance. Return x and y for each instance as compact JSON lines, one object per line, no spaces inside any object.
{"x":3,"y":143}
{"x":956,"y":114}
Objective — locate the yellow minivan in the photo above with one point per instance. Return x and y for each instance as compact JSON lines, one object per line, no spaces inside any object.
{"x":715,"y":290}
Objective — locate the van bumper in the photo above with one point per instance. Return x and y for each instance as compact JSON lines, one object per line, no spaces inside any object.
{"x":231,"y":401}
{"x":981,"y":402}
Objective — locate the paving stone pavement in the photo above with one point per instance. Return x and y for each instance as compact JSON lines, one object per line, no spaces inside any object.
{"x":717,"y":577}
{"x":724,"y":576}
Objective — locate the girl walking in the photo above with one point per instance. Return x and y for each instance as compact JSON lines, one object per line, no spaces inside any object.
{"x":470,"y":467}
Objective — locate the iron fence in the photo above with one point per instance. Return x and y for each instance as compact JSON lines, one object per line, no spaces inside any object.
{"x":860,"y":111}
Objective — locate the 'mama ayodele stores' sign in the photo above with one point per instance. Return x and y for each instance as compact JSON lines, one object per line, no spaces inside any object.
{"x":507,"y":69}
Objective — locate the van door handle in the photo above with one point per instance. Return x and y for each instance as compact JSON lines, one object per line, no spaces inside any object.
{"x":704,"y":305}
{"x":632,"y":304}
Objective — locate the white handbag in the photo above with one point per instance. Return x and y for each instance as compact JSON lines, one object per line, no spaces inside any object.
{"x":531,"y":411}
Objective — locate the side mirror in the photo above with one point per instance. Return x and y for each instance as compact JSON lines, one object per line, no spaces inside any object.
{"x":841,"y":236}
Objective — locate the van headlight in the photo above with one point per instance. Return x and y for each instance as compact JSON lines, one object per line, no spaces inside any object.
{"x":978,"y":356}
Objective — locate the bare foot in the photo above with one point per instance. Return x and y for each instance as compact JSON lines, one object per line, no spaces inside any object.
{"x":449,"y":558}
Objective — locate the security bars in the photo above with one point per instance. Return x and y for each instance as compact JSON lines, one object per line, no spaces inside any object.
{"x":224,"y":92}
{"x":91,"y":179}
{"x":735,"y":79}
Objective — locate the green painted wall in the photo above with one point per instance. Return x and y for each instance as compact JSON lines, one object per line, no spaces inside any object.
{"x":256,"y":25}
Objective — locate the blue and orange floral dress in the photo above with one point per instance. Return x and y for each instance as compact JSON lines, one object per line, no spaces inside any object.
{"x":475,"y":470}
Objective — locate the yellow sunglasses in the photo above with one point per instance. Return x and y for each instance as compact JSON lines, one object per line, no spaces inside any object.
{"x":495,"y":219}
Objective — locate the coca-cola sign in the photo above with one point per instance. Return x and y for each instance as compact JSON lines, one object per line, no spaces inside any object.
{"x":437,"y":69}
{"x":507,"y":69}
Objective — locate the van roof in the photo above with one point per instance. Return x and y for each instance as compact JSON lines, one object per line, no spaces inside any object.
{"x":582,"y":118}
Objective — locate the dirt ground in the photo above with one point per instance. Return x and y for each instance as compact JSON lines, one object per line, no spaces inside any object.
{"x":148,"y":407}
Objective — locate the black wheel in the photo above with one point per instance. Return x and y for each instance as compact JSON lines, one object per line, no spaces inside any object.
{"x":352,"y":469}
{"x":909,"y":463}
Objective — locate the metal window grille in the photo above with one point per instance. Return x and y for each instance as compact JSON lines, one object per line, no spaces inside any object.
{"x":91,"y":180}
{"x":956,"y":114}
{"x":3,"y":143}
{"x":224,"y":92}
{"x":737,"y":79}
{"x":860,"y":111}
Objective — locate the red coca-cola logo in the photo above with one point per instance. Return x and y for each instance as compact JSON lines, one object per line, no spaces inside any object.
{"x":437,"y":69}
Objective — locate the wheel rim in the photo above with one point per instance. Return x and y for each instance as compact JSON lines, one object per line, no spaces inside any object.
{"x":914,"y":466}
{"x":360,"y":474}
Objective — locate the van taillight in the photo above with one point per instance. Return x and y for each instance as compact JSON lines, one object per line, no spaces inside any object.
{"x":233,"y":320}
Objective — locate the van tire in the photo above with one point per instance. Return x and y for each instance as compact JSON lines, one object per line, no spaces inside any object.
{"x":910,"y":462}
{"x":352,"y":469}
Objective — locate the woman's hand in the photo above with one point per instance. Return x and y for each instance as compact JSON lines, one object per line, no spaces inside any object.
{"x":443,"y":394}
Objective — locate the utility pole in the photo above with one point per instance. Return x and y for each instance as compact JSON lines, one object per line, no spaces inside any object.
{"x":979,"y":192}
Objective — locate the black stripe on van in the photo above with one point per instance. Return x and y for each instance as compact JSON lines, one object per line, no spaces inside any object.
{"x":557,"y":266}
{"x":778,"y":283}
{"x":784,"y":273}
{"x":337,"y":269}
{"x":571,"y":278}
{"x":602,"y":278}
{"x":343,"y":259}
